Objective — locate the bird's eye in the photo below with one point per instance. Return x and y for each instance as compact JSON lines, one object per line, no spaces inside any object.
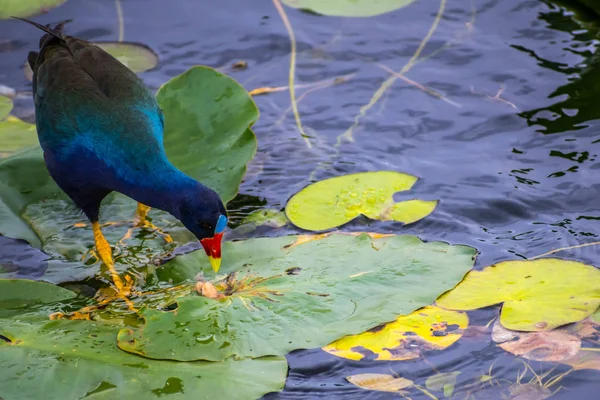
{"x":206,"y":225}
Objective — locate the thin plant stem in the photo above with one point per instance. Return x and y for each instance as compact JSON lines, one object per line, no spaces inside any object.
{"x":120,"y":19}
{"x":390,"y":81}
{"x":292,"y":70}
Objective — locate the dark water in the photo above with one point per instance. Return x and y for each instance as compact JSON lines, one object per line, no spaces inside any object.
{"x":516,"y":175}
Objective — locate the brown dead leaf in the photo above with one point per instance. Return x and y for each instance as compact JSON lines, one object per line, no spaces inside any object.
{"x":556,"y":345}
{"x":379,"y":382}
{"x":207,"y":289}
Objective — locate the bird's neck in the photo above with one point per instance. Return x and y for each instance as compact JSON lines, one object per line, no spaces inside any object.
{"x":161,"y":188}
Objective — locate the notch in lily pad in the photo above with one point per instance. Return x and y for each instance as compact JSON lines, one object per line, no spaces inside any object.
{"x":537,"y":295}
{"x":335,"y":201}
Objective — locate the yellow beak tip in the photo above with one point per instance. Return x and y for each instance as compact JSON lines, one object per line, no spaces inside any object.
{"x":215,"y":263}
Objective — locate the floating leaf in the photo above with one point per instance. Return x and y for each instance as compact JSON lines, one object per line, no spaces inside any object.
{"x":286,"y":296}
{"x":443,"y":382}
{"x":538,"y":295}
{"x":336,"y":201}
{"x":585,"y":359}
{"x":16,"y":135}
{"x":379,"y":382}
{"x":67,"y":360}
{"x":136,"y":56}
{"x":349,"y":8}
{"x":6,"y":106}
{"x":430,"y":328}
{"x":202,"y":109}
{"x":26,"y":8}
{"x":18,"y":295}
{"x":557,"y":345}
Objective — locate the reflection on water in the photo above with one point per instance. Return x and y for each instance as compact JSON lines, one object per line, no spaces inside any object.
{"x":499,"y":120}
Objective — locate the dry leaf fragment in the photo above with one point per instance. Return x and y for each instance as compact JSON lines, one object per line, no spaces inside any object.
{"x":379,"y":382}
{"x":207,"y":289}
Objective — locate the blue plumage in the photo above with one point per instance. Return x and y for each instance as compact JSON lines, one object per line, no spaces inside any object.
{"x":101,"y":130}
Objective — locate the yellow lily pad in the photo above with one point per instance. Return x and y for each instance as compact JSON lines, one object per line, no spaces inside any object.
{"x":430,"y":328}
{"x":538,"y":295}
{"x":379,"y":382}
{"x":333,"y":202}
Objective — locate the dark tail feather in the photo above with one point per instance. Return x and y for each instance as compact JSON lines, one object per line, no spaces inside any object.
{"x":57,"y":31}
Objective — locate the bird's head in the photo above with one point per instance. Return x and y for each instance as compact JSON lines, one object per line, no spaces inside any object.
{"x":204,"y":214}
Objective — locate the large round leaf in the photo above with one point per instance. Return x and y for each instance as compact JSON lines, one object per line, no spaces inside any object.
{"x":26,"y":8}
{"x":290,"y":293}
{"x":336,"y":201}
{"x":67,"y":360}
{"x":207,"y":134}
{"x":349,"y":8}
{"x":207,"y":122}
{"x":538,"y":295}
{"x":75,"y":359}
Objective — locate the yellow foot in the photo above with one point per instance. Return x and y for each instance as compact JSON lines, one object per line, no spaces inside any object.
{"x":140,"y":220}
{"x":104,"y":297}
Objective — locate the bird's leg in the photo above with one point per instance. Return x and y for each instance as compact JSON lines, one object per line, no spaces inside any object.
{"x":105,"y":253}
{"x":140,"y":220}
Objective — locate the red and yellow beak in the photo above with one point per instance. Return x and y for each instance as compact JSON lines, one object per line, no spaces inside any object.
{"x":212,"y":247}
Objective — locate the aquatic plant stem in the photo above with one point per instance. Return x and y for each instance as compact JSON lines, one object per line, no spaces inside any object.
{"x":565,"y":248}
{"x":390,"y":81}
{"x":120,"y":19}
{"x":292,"y":70}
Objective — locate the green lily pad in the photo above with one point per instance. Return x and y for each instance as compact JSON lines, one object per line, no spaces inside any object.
{"x":16,"y":134}
{"x":67,"y":360}
{"x":6,"y":106}
{"x":537,"y":295}
{"x":336,"y":201}
{"x":26,"y":8}
{"x":21,"y":294}
{"x":202,"y":108}
{"x":349,"y":8}
{"x":136,"y":56}
{"x":297,"y":292}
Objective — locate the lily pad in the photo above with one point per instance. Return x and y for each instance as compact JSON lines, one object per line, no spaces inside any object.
{"x":26,"y":8}
{"x":349,"y":8}
{"x":136,"y":56}
{"x":336,"y":201}
{"x":430,"y":328}
{"x":202,"y":109}
{"x":19,"y":295}
{"x":6,"y":106}
{"x":537,"y":295}
{"x":75,"y":359}
{"x":15,"y":135}
{"x":286,"y":296}
{"x":380,"y":382}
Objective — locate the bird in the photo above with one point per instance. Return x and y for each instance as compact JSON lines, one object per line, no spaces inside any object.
{"x":101,"y":131}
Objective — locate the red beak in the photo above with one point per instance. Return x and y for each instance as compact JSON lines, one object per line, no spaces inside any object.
{"x":212,"y":247}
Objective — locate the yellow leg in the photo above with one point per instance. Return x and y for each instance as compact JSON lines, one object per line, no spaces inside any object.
{"x":139,"y":220}
{"x":105,"y":253}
